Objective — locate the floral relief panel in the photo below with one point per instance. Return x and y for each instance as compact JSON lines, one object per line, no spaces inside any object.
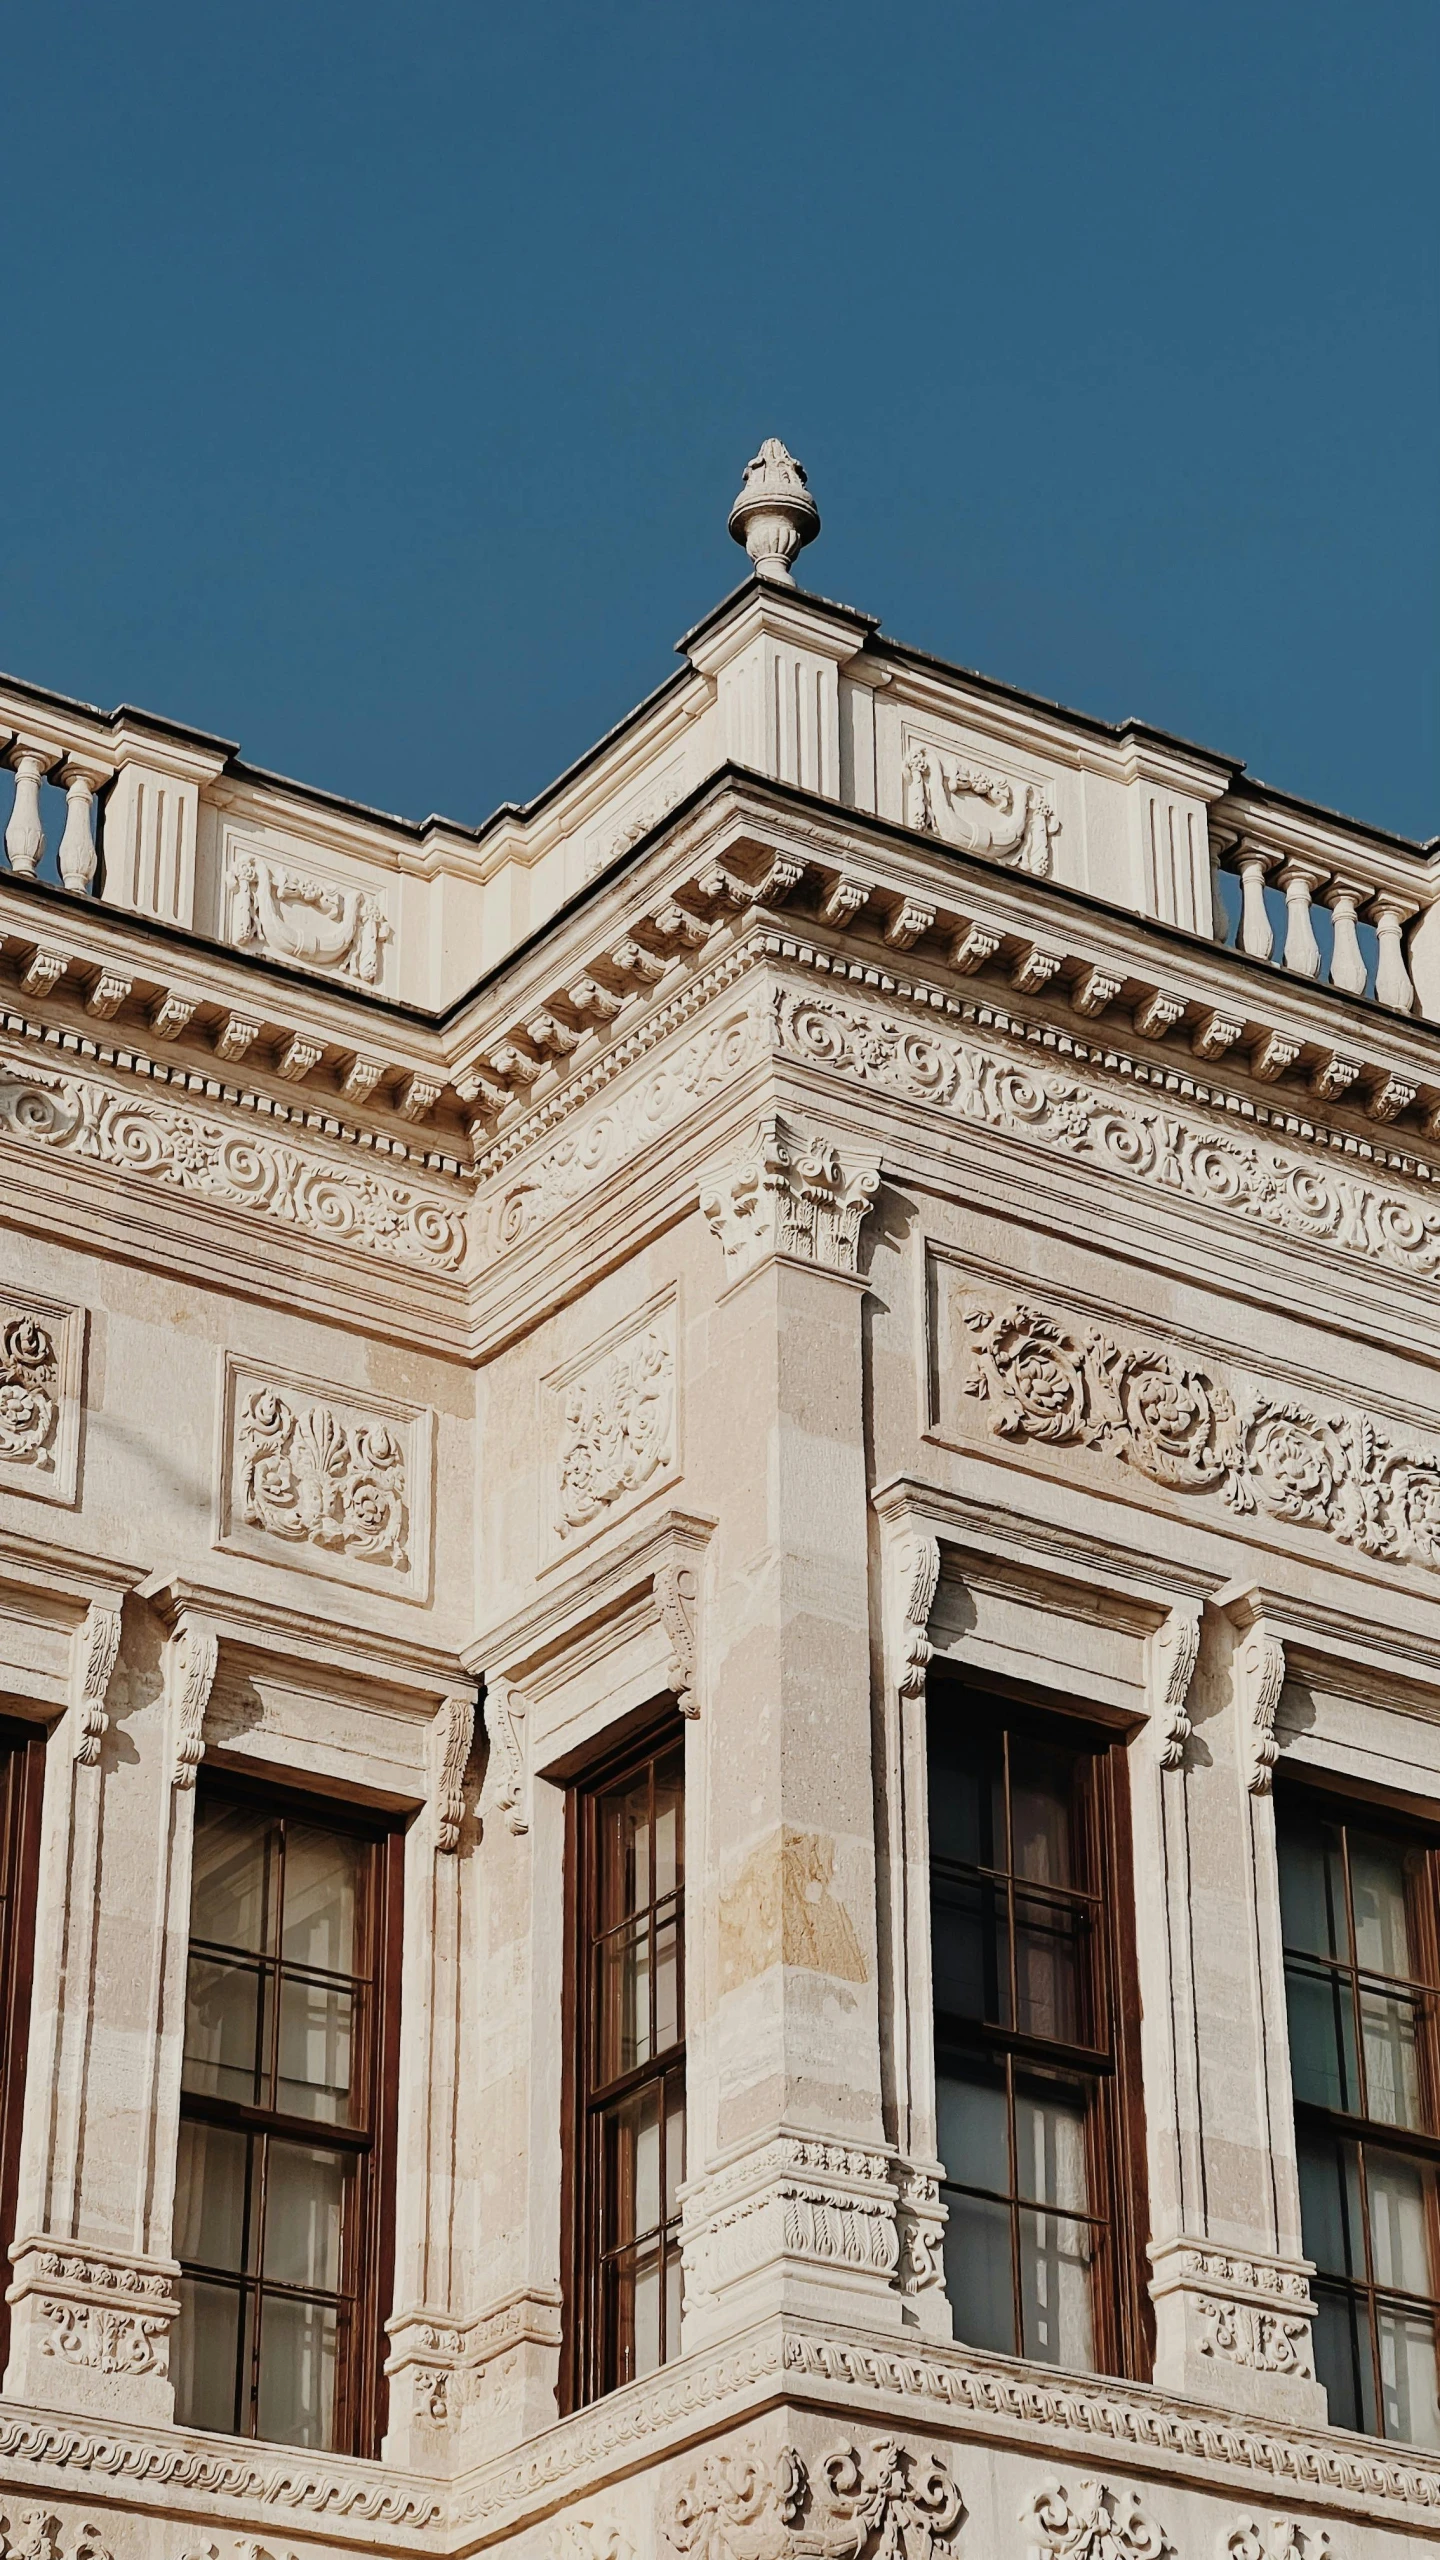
{"x":323,"y":1481}
{"x":612,"y":1425}
{"x":42,"y":1345}
{"x":1026,"y":1372}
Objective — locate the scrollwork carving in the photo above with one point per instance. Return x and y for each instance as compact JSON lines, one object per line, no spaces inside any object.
{"x":676,"y":1588}
{"x":617,"y":1427}
{"x":1267,"y":2341}
{"x":29,"y":1394}
{"x":305,"y":1475}
{"x":1092,"y":2522}
{"x":112,"y":2341}
{"x":505,"y":1712}
{"x":313,"y":922}
{"x":884,"y":2504}
{"x":1274,"y":2538}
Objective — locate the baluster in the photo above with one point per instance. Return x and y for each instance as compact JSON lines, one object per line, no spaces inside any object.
{"x":25,"y":835}
{"x":77,"y":856}
{"x":1255,"y":935}
{"x":1392,"y":978}
{"x":1347,"y":960}
{"x":1302,"y":951}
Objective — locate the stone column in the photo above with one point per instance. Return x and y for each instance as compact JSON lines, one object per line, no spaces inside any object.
{"x":93,"y":2294}
{"x":790,"y":2203}
{"x":1231,"y":2286}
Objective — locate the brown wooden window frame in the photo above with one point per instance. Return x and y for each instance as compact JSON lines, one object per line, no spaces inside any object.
{"x":367,"y":2281}
{"x":23,"y":1748}
{"x":1108,"y":2067}
{"x":589,"y":2352}
{"x":1368,"y":2295}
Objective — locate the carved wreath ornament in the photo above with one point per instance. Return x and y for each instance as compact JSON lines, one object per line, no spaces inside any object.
{"x":1179,"y":1425}
{"x":884,"y":2504}
{"x":305,"y":1475}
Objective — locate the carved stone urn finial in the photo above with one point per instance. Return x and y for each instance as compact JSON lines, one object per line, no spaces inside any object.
{"x":774,"y":515}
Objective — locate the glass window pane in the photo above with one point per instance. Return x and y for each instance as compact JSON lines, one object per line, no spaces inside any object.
{"x":1055,"y":2263}
{"x":234,"y":1877}
{"x":633,"y":2161}
{"x":624,"y":2003}
{"x":305,"y":2197}
{"x":1042,"y":1789}
{"x":1392,"y":2061}
{"x":1050,"y":2163}
{"x":1048,"y":1961}
{"x":1406,"y":2340}
{"x":1342,"y":2360}
{"x":322,"y":1885}
{"x":966,"y":1806}
{"x":316,"y":2052}
{"x":669,"y":1827}
{"x":968,"y":1950}
{"x":211,"y":2194}
{"x":1312,"y":1885}
{"x":973,"y":2129}
{"x":1331,"y":2219}
{"x":623,"y":1823}
{"x":1322,"y":2038}
{"x":1399,"y":2189}
{"x":668,"y":2022}
{"x":210,"y":2357}
{"x":298,"y":2343}
{"x":674,"y":2145}
{"x":1378,"y":1871}
{"x":978,"y":2275}
{"x":227,"y":2017}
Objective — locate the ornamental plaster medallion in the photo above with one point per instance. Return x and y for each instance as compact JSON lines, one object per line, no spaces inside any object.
{"x":337,"y":929}
{"x":41,"y":1373}
{"x":325,"y":1482}
{"x":611,"y":1420}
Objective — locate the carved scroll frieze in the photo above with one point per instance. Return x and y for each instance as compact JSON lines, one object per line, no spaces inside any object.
{"x":144,"y":1140}
{"x":1163,"y":1146}
{"x":320,"y":1479}
{"x":318,"y":924}
{"x":885,"y":2503}
{"x":792,"y":1191}
{"x":614,"y":1424}
{"x":981,"y":811}
{"x":1092,"y":2522}
{"x":1049,"y":1378}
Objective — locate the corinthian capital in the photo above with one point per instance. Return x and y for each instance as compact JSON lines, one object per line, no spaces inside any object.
{"x":793,"y":1191}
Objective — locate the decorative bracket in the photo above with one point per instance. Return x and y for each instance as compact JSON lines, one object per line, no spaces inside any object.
{"x":914,"y":1568}
{"x":97,"y":1644}
{"x":1172,"y":1654}
{"x":191,"y":1659}
{"x":452,"y":1736}
{"x":1259,"y":1677}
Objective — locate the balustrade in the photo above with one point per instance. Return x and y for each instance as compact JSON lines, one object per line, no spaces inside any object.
{"x":36,"y":764}
{"x":1362,"y":947}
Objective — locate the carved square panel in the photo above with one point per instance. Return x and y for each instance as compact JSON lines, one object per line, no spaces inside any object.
{"x":324,"y":1480}
{"x":42,"y":1365}
{"x":986,"y":802}
{"x":276,"y":899}
{"x":610,"y":1426}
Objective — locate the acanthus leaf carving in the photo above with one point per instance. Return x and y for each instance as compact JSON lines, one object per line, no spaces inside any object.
{"x":1268,"y":2341}
{"x":915,"y":1575}
{"x":505,"y":1714}
{"x":193,"y":1655}
{"x":1259,"y":1675}
{"x":676,"y":1588}
{"x":617,"y":1426}
{"x":453,"y":1736}
{"x":1174,"y":1650}
{"x":315,"y":923}
{"x":794,"y":1192}
{"x":310,"y":1477}
{"x":112,"y":2341}
{"x":1092,"y":2522}
{"x":97,"y":1647}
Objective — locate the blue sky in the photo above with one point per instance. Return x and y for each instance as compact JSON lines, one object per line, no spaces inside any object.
{"x":377,"y":380}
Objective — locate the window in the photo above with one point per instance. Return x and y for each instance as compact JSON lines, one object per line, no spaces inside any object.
{"x":287,"y":2122}
{"x":1034,"y":2035}
{"x":1358,"y":1909}
{"x":628,"y":2111}
{"x":22,"y":1775}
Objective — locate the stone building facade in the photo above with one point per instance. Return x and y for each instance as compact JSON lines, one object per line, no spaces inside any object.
{"x":720,"y":1602}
